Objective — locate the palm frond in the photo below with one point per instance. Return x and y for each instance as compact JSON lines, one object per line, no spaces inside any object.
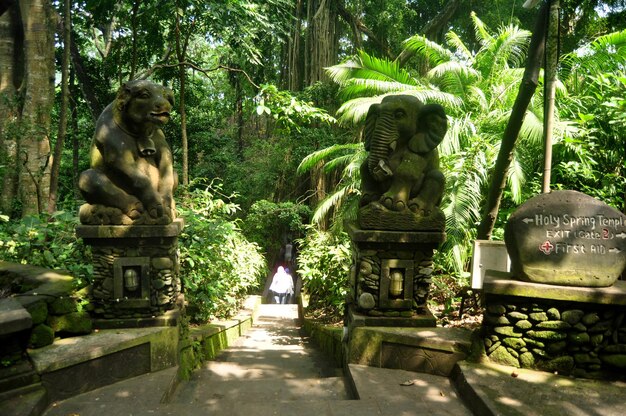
{"x":433,"y":52}
{"x":368,"y":67}
{"x":359,"y":87}
{"x":516,"y":180}
{"x":454,"y":41}
{"x":333,"y":201}
{"x":600,"y":55}
{"x":453,"y":77}
{"x":339,"y":162}
{"x":315,"y":158}
{"x":482,"y":34}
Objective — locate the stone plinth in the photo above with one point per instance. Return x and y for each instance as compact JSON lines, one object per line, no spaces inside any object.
{"x":136,"y":269}
{"x":391,"y":273}
{"x":570,"y":330}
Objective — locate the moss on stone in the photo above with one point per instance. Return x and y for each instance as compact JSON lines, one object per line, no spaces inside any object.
{"x":38,"y":312}
{"x":578,"y":338}
{"x":502,"y":356}
{"x":573,"y":316}
{"x":554,"y":314}
{"x":553,"y":325}
{"x":615,"y":360}
{"x":515,"y":343}
{"x":538,"y":316}
{"x":523,"y":325}
{"x":75,"y":323}
{"x":496,"y":309}
{"x":507,"y":331}
{"x":527,"y":360}
{"x":563,"y":364}
{"x":40,"y":336}
{"x":590,"y":319}
{"x":63,"y":305}
{"x":517,"y":315}
{"x":547,"y":335}
{"x":556,"y":347}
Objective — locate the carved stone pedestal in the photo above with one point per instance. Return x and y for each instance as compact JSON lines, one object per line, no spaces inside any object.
{"x":136,"y":273}
{"x":391,"y":276}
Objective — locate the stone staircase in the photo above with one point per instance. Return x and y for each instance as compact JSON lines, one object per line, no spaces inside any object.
{"x":271,"y":369}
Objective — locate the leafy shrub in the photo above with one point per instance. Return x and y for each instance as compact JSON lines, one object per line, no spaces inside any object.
{"x":324,"y":264}
{"x":219,"y":267}
{"x":268,"y":223}
{"x":46,"y":241}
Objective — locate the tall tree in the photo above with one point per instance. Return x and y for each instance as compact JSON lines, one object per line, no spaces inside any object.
{"x":65,"y":91}
{"x":30,"y":78}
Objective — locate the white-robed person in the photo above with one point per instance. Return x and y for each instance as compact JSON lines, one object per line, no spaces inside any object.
{"x":282,"y":286}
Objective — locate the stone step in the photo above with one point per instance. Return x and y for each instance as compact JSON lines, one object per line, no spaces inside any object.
{"x":210,"y":392}
{"x":143,"y":392}
{"x":72,"y":366}
{"x":24,"y":401}
{"x":427,"y":350}
{"x":241,"y":408}
{"x":406,"y":392}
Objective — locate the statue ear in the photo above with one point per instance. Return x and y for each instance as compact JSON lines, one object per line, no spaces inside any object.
{"x":370,"y":124}
{"x":432,"y":125}
{"x":124,"y":95}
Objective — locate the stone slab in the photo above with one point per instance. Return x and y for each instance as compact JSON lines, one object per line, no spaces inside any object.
{"x":28,"y":401}
{"x":427,"y":350}
{"x":13,"y":317}
{"x":398,"y":237}
{"x":75,"y":350}
{"x":169,"y":318}
{"x":406,"y":392}
{"x":420,"y":320}
{"x":502,"y":283}
{"x":131,"y":231}
{"x":494,"y":390}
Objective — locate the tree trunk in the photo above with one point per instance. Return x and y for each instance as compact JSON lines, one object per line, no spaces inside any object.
{"x":38,"y":95}
{"x":432,"y":28}
{"x":74,"y":134}
{"x":322,"y":40}
{"x":58,"y":147}
{"x":551,"y":62}
{"x":181,"y":51}
{"x":86,"y":85}
{"x":526,"y":90}
{"x":294,"y":67}
{"x":11,"y":39}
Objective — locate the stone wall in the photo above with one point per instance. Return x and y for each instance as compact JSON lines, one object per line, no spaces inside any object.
{"x":584,"y":339}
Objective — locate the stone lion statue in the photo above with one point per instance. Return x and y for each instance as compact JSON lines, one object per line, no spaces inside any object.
{"x":131,"y":179}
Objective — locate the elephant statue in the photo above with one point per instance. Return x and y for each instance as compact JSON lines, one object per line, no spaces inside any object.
{"x":401,"y":174}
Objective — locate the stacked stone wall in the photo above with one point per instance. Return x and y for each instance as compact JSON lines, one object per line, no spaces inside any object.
{"x":572,"y":338}
{"x":163,"y":271}
{"x":369,"y":272}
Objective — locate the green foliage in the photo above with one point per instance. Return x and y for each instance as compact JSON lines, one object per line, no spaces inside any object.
{"x":324,"y":265}
{"x":289,"y":111}
{"x":219,"y":266}
{"x":270,"y":224}
{"x":47,"y":242}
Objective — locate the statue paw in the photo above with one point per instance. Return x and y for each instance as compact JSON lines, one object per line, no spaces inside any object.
{"x":393,"y":204}
{"x":421,"y":208}
{"x":134,"y":210}
{"x":156,"y":211}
